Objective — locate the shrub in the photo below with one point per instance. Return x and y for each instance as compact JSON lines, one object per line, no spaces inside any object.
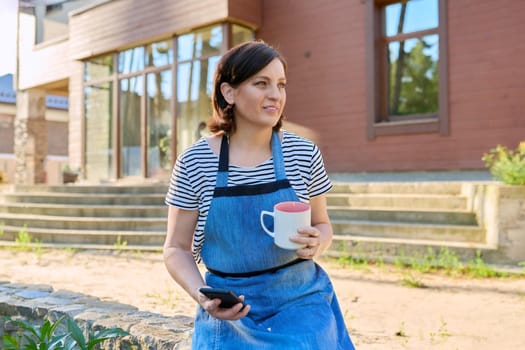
{"x":507,"y":165}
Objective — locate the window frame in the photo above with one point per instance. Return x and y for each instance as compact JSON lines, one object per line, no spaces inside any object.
{"x":376,"y":104}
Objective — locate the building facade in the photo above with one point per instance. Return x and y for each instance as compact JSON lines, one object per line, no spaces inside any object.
{"x":380,"y":85}
{"x":56,"y":130}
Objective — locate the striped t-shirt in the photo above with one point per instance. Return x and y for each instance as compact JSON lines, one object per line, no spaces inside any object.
{"x":194,"y":175}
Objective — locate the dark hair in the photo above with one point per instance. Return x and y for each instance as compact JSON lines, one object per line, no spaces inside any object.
{"x":235,"y":66}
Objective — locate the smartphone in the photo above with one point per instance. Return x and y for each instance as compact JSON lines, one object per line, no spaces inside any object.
{"x":228,"y":298}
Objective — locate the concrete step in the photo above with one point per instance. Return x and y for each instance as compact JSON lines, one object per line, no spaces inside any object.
{"x":419,"y":231}
{"x":83,"y":198}
{"x":398,"y":201}
{"x":72,"y":210}
{"x":86,"y":237}
{"x":458,"y":217}
{"x":446,"y":188}
{"x":86,"y":246}
{"x":160,"y":189}
{"x":389,"y":249}
{"x":84,"y":223}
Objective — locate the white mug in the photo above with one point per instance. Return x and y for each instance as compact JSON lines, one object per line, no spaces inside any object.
{"x":287,"y":218}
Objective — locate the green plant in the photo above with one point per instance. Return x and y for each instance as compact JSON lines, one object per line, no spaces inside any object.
{"x":120,"y":244}
{"x":507,"y":165}
{"x":31,"y":337}
{"x":46,"y":337}
{"x":93,"y":338}
{"x":23,"y":238}
{"x":412,"y":281}
{"x":69,"y":169}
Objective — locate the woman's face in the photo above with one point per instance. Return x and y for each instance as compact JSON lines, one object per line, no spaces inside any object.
{"x":260,"y":100}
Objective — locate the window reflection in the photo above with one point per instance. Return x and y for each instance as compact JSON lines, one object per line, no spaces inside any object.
{"x":240,"y":34}
{"x":194,"y":80}
{"x":99,"y":67}
{"x":411,"y":16}
{"x":98,"y":106}
{"x":159,"y":123}
{"x":131,"y":60}
{"x":131,"y":91}
{"x":413,"y":79}
{"x":159,"y":54}
{"x":411,"y":58}
{"x":204,"y":42}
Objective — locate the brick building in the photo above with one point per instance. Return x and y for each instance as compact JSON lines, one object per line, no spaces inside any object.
{"x":56,"y":133}
{"x":381,"y":85}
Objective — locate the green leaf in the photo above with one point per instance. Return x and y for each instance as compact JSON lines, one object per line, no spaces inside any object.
{"x":10,"y":342}
{"x":76,"y":334}
{"x":58,"y":342}
{"x":106,"y":334}
{"x":54,"y":326}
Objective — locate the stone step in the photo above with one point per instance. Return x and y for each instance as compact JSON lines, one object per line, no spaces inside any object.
{"x":83,"y":198}
{"x":458,"y":217}
{"x":87,"y":237}
{"x":86,"y":246}
{"x":438,"y":232}
{"x":390,"y":249}
{"x":160,"y":189}
{"x":446,"y":188}
{"x":72,"y":210}
{"x":398,"y":201}
{"x":83,"y":223}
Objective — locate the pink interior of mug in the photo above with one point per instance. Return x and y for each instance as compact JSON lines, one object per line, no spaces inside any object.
{"x":292,"y":207}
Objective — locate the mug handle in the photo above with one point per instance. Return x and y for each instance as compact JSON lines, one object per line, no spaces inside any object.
{"x":264,"y":212}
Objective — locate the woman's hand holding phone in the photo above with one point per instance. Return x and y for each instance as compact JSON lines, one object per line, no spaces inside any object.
{"x":222,"y":304}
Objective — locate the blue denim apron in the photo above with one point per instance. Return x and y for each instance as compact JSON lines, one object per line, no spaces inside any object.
{"x":293,"y":305}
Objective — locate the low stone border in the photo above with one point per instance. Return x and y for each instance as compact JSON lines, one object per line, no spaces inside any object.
{"x":148,"y":330}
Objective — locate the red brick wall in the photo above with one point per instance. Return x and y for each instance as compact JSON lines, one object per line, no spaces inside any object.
{"x":324,"y":43}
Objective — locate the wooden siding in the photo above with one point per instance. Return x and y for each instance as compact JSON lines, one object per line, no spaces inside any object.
{"x":324,"y":42}
{"x":121,"y":24}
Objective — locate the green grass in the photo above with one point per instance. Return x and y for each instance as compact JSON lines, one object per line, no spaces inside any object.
{"x":440,"y":260}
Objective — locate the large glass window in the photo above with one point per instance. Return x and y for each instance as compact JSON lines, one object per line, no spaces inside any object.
{"x":98,"y":68}
{"x":99,"y":153}
{"x":198,"y":54}
{"x":408,"y":75}
{"x":135,"y":137}
{"x":240,"y":34}
{"x":159,"y":54}
{"x":132,"y":60}
{"x":131,"y":92}
{"x":159,"y":88}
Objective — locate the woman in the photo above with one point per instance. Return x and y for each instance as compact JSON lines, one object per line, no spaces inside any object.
{"x":218,"y":188}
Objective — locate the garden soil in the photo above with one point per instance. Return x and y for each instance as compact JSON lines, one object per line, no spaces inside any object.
{"x":385,"y":308}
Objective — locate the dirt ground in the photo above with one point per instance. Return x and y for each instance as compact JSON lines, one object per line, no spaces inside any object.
{"x":381,"y":311}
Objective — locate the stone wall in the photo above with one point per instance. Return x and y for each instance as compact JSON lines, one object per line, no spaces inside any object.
{"x":510,"y":224}
{"x":34,"y":303}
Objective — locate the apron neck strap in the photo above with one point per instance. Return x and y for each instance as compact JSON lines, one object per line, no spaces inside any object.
{"x":224,"y":159}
